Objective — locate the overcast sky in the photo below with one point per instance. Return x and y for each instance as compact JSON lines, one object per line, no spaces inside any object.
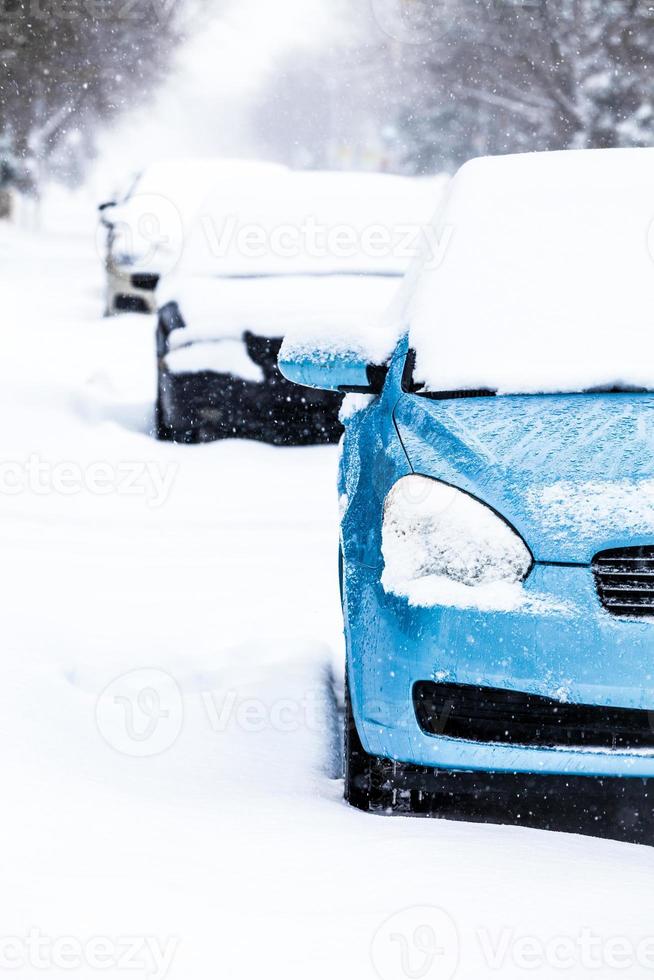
{"x":200,"y":110}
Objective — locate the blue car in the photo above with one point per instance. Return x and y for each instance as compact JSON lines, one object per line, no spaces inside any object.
{"x":497,"y":491}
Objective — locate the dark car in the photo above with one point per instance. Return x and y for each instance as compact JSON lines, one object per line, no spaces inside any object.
{"x":226,"y":313}
{"x":144,"y":230}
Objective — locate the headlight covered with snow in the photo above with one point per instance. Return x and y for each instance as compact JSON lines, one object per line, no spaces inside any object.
{"x":433,"y":530}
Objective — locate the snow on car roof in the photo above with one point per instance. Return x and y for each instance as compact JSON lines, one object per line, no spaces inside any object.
{"x":151,"y":224}
{"x":545,"y":278}
{"x":311,"y":221}
{"x":340,"y":307}
{"x":178,"y":177}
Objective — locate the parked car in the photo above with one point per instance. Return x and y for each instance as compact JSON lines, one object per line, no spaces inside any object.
{"x":146,"y":229}
{"x":265,"y":258}
{"x":497,"y":489}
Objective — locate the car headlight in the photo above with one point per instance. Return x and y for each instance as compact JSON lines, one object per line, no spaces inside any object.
{"x":432,"y":529}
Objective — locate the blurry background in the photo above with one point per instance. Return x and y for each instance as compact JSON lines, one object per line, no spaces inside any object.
{"x":234,"y":840}
{"x":411,"y":86}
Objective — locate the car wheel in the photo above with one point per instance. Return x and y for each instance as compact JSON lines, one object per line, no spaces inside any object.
{"x":615,"y":809}
{"x":162,"y":431}
{"x":368,"y":779}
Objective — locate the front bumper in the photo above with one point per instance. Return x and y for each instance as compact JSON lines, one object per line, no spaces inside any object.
{"x":130,"y":292}
{"x":205,"y":406}
{"x":574,"y":652}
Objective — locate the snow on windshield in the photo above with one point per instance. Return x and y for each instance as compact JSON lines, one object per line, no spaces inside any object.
{"x":305,"y":307}
{"x":546,"y":276}
{"x":311,"y":222}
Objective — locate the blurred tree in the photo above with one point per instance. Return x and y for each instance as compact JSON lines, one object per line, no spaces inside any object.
{"x":64,"y":65}
{"x":496,"y":76}
{"x":336,"y":105}
{"x":422,"y":85}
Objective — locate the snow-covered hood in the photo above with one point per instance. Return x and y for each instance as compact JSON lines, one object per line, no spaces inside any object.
{"x":274,"y":306}
{"x":573,"y":473}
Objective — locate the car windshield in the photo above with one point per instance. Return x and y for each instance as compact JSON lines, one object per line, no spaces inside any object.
{"x":545,"y":278}
{"x":310,"y":224}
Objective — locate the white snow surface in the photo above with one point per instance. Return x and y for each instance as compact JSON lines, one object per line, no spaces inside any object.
{"x":354,"y":403}
{"x":595,"y":507}
{"x":284,"y":222}
{"x":229,"y":844}
{"x":546,"y":282}
{"x":221,"y":356}
{"x":347,"y":309}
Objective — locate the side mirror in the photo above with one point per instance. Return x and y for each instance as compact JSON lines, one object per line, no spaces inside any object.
{"x":106,"y":213}
{"x":331,"y":370}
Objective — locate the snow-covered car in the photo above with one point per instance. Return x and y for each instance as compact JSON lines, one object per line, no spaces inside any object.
{"x":144,"y":233}
{"x":497,"y":491}
{"x":318,"y":251}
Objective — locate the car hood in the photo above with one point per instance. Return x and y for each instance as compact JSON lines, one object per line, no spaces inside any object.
{"x":273,"y":306}
{"x":574,"y":474}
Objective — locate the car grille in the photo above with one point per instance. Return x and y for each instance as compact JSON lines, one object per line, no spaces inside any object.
{"x":625,"y":580}
{"x":145,"y":280}
{"x":484,"y":714}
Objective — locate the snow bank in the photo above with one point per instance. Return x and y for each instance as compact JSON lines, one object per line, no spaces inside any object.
{"x":547,"y":280}
{"x":220,"y":357}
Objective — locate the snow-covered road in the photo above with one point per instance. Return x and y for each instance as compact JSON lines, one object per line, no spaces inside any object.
{"x":169,"y":732}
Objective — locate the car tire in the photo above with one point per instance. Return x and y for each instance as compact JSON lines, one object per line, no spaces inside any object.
{"x":371,"y":783}
{"x":162,"y":431}
{"x":614,"y":809}
{"x":358,"y":764}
